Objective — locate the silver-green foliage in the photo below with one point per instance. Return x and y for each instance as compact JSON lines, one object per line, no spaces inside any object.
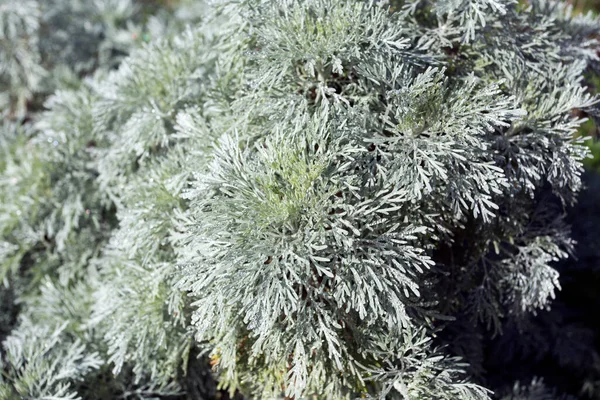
{"x":358,"y":148}
{"x":304,"y":190}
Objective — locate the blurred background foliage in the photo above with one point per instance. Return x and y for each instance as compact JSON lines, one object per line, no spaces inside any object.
{"x":591,"y":127}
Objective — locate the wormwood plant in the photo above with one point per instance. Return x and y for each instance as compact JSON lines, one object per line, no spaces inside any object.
{"x":322,"y":199}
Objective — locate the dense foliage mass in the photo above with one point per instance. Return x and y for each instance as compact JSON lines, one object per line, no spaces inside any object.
{"x":323,"y":199}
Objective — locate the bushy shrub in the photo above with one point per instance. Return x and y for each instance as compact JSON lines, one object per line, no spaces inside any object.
{"x":317,"y":198}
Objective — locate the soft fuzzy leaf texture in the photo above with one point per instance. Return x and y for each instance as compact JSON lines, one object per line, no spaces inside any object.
{"x":299,"y":199}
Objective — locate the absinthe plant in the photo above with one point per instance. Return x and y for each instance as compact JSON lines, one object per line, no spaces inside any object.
{"x":381,"y":173}
{"x":310,"y":192}
{"x":401,"y":145}
{"x":55,"y":219}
